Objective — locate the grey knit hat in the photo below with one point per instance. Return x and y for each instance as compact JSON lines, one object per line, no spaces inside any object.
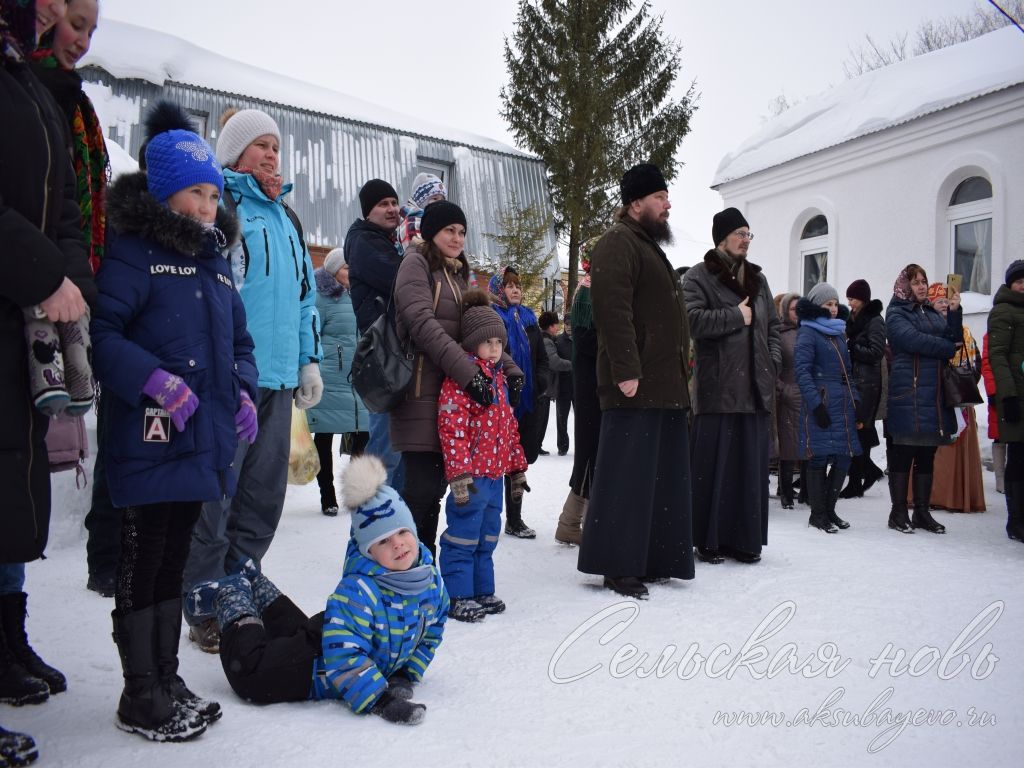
{"x":241,"y":130}
{"x":334,"y":261}
{"x":822,"y":293}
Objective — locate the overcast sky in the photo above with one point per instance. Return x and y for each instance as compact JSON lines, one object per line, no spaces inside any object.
{"x":443,"y":60}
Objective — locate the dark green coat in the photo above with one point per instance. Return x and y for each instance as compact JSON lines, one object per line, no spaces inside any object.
{"x":640,"y":318}
{"x":1006,"y":354}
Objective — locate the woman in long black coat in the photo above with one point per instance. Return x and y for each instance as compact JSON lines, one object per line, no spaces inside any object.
{"x":865,"y":331}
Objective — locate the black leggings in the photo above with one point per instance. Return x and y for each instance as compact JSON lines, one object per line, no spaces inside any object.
{"x":424,"y":487}
{"x":902,"y":457}
{"x":352,"y":443}
{"x":155,"y":540}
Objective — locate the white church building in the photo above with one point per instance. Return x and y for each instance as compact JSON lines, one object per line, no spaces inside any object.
{"x":922,"y":161}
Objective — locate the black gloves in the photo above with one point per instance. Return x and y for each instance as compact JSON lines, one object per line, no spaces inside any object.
{"x":479,"y":388}
{"x":1011,"y":410}
{"x":400,"y":686}
{"x":515,"y":390}
{"x":396,"y":710}
{"x":821,"y":416}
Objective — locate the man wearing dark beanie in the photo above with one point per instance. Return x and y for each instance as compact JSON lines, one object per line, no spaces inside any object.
{"x":373,"y":254}
{"x":739,"y":351}
{"x":638,"y":519}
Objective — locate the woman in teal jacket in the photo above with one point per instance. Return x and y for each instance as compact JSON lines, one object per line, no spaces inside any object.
{"x":274,"y":276}
{"x":340,"y":411}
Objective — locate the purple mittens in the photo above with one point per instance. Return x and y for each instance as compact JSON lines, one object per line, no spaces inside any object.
{"x":173,"y":395}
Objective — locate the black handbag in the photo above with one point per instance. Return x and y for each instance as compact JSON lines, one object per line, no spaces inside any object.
{"x":959,"y":387}
{"x":382,"y":364}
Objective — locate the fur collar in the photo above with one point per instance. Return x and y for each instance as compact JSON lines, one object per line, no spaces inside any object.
{"x":751,"y":276}
{"x":808,"y":310}
{"x":326,"y":284}
{"x":867,"y":313}
{"x":131,"y":210}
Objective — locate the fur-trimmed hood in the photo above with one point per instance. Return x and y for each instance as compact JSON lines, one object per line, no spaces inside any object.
{"x":132,"y":210}
{"x":808,"y":310}
{"x":327,"y":284}
{"x":714,"y":261}
{"x":784,"y":302}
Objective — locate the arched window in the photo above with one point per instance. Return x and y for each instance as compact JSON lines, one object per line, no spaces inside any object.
{"x":814,"y":251}
{"x":970,"y":221}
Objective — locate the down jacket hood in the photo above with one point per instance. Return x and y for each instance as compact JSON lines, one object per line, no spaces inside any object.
{"x":132,"y":210}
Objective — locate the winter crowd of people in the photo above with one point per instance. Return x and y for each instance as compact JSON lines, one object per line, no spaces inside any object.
{"x":208,"y":325}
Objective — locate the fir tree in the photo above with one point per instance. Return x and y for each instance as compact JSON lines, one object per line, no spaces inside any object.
{"x":589,"y":92}
{"x":523,"y":245}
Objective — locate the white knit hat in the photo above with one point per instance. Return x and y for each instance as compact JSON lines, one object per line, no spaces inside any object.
{"x":425,"y":186}
{"x":334,"y":261}
{"x":241,"y":130}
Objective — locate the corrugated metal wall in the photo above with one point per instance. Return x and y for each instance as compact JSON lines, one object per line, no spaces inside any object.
{"x":328,"y":159}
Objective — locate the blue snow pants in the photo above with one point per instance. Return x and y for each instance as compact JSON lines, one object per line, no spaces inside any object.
{"x":467,"y":545}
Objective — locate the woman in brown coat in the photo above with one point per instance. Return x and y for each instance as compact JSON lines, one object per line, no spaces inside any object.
{"x":787,"y":403}
{"x":428,"y":301}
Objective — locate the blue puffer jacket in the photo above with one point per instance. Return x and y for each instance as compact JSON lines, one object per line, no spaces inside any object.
{"x":274,"y":275}
{"x":166,"y":300}
{"x":340,"y":410}
{"x":371,"y":632}
{"x":922,"y":341}
{"x":824,"y":374}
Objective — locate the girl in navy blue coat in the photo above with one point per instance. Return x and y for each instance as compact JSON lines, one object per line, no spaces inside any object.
{"x":918,"y":420}
{"x":828,"y":421}
{"x":176,"y":364}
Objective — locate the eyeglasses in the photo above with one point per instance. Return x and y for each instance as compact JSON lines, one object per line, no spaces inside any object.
{"x":744,"y":235}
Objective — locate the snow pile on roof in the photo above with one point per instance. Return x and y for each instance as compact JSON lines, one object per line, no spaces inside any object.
{"x":881,"y":99}
{"x":129,"y":51}
{"x":120,"y":161}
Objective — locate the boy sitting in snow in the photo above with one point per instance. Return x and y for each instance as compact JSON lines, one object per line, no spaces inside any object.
{"x":480,"y":446}
{"x":380,"y":630}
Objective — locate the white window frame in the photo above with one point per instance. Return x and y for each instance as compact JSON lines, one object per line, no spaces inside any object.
{"x":968,"y":213}
{"x":812,"y":246}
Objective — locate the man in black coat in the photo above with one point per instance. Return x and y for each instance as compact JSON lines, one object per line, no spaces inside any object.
{"x":638,"y":525}
{"x":563,"y":398}
{"x":373,"y":254}
{"x":738,"y":355}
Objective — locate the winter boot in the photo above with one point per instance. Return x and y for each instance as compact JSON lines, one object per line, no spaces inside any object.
{"x":328,"y":498}
{"x":801,"y":497}
{"x":786,"y":484}
{"x":167,"y":616}
{"x":855,"y":486}
{"x":1015,"y":510}
{"x":570,"y":523}
{"x":922,"y":499}
{"x":898,"y":518}
{"x":832,"y":491}
{"x":145,"y":707}
{"x":490,"y":603}
{"x":872,"y":473}
{"x":466,"y":609}
{"x":234,"y":601}
{"x":17,"y":685}
{"x":816,"y":480}
{"x":16,"y":748}
{"x":45,"y":363}
{"x":13,"y":612}
{"x":999,"y":465}
{"x":514,"y":525}
{"x":264,"y":591}
{"x":77,"y":349}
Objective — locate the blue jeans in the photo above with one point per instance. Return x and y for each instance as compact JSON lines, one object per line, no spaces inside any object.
{"x":380,"y":446}
{"x":12,"y":578}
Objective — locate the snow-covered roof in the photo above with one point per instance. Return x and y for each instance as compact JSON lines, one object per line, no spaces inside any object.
{"x":130,"y":51}
{"x":882,"y":99}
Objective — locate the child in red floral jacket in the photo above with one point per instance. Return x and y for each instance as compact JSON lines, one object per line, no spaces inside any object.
{"x":480,"y":445}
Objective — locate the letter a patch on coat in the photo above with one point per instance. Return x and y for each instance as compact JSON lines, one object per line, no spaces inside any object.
{"x":157,"y":426}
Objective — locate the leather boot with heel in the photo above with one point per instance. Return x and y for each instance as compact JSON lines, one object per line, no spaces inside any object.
{"x":899,"y":520}
{"x":922,"y":500}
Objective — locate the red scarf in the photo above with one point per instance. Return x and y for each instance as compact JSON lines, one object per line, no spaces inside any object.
{"x":270,"y":183}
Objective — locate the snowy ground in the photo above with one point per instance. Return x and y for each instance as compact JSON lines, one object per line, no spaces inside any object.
{"x":497,"y":692}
